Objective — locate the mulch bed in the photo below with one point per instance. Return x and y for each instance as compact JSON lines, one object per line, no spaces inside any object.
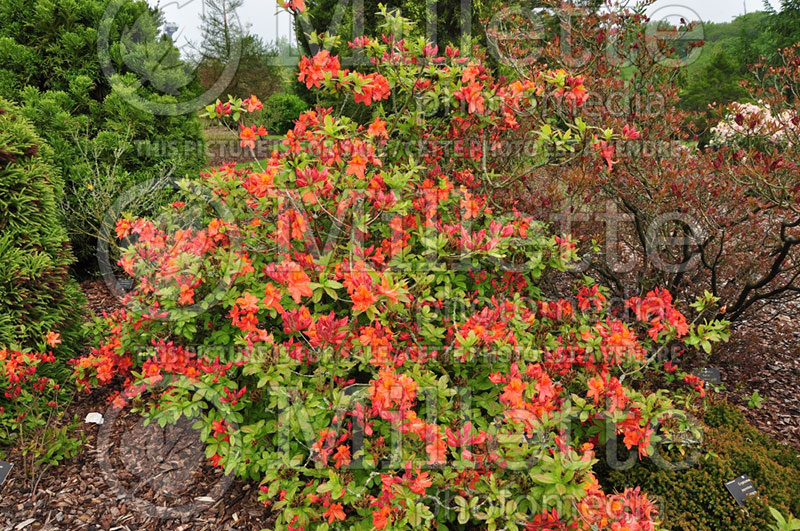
{"x":129,"y":476}
{"x":764,"y":356}
{"x":134,"y":477}
{"x":99,"y":297}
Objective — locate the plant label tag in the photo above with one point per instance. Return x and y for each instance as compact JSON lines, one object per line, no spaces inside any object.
{"x":710,"y":375}
{"x":741,"y":488}
{"x":5,"y":468}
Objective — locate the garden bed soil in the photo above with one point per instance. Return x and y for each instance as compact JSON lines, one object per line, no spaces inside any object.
{"x":222,"y":146}
{"x":764,"y":356}
{"x":128,"y":476}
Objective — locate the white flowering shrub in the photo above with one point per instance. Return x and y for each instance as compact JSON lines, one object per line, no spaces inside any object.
{"x":753,"y":125}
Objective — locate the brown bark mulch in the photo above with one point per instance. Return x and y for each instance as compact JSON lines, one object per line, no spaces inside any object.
{"x":764,"y":356}
{"x":128,"y":476}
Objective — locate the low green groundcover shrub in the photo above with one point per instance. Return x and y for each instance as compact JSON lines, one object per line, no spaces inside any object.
{"x":37,"y":295}
{"x":280,"y":111}
{"x":697,"y":500}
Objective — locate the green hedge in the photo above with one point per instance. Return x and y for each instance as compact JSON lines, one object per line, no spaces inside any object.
{"x":280,"y":112}
{"x":37,"y":294}
{"x":103,"y":145}
{"x":697,"y":500}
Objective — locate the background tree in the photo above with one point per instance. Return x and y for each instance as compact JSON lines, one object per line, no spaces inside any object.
{"x":351,"y":19}
{"x":718,"y":82}
{"x":226,"y":41}
{"x":716,"y":74}
{"x":784,"y":27}
{"x":222,"y":29}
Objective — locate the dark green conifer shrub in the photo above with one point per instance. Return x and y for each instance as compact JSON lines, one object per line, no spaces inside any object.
{"x":51,"y":64}
{"x":697,"y":500}
{"x":37,"y":295}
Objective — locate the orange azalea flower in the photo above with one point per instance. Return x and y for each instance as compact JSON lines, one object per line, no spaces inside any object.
{"x":312,"y":71}
{"x":248,"y":303}
{"x":578,"y":93}
{"x":377,"y":89}
{"x":253,"y":103}
{"x":382,"y":518}
{"x":296,"y":5}
{"x":342,"y":456}
{"x":471,"y":94}
{"x":119,"y":402}
{"x":262,"y":335}
{"x":470,"y":73}
{"x":378,"y":128}
{"x":334,"y":512}
{"x":414,"y":424}
{"x":187,"y":295}
{"x":247,"y":137}
{"x":357,"y":166}
{"x":105,"y":371}
{"x":298,"y":283}
{"x":272,"y":298}
{"x":596,"y":389}
{"x":123,"y":228}
{"x":513,"y":393}
{"x":421,"y":482}
{"x":606,"y":152}
{"x":387,"y":291}
{"x":389,"y":390}
{"x":437,"y":450}
{"x":471,"y":206}
{"x":53,"y":338}
{"x":363,"y":298}
{"x":523,"y":416}
{"x":299,"y":226}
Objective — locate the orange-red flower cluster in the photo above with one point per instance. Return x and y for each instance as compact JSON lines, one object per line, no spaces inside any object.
{"x":313,"y":71}
{"x":657,"y":309}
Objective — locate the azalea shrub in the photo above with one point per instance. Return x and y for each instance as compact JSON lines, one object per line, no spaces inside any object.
{"x":27,"y":391}
{"x":356,"y":324}
{"x":33,"y":397}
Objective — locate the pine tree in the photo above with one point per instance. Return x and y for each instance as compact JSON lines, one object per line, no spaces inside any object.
{"x":784,"y":27}
{"x":222,"y":29}
{"x":717,"y":82}
{"x":226,"y":43}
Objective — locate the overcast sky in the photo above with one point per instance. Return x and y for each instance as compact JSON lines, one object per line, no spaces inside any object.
{"x":266,"y":21}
